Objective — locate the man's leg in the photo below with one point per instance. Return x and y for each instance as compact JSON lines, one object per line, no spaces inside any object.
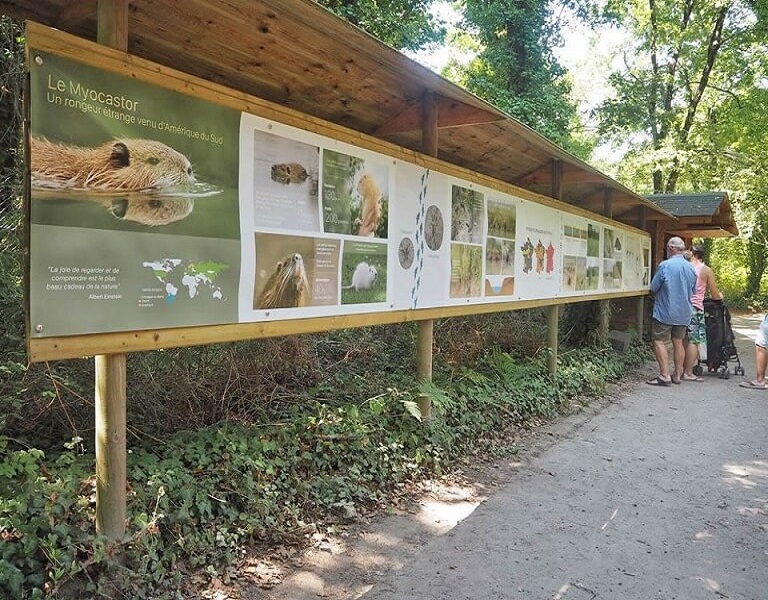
{"x":659,"y":335}
{"x":678,"y":355}
{"x":662,"y":357}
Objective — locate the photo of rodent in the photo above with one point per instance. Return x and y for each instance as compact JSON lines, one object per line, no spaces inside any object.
{"x":287,"y":286}
{"x":285,"y":271}
{"x":127,"y":165}
{"x":161,"y":160}
{"x":284,"y":183}
{"x":137,"y":180}
{"x":363,"y":273}
{"x":355,"y":195}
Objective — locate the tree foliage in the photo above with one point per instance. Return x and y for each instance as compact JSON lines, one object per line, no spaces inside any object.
{"x":403,"y":24}
{"x":11,"y":80}
{"x":685,"y":60}
{"x":516,"y":70}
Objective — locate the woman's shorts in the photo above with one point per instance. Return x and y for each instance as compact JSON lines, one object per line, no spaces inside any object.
{"x":697,"y":329}
{"x":762,"y":333}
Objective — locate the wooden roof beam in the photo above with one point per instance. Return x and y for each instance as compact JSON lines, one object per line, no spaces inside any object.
{"x":450,"y":113}
{"x":77,"y":11}
{"x":543,"y":175}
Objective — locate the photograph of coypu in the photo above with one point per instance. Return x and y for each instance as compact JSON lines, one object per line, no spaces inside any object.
{"x":109,"y":151}
{"x":295,"y":271}
{"x":363,"y":273}
{"x":355,"y":196}
{"x":285,"y":183}
{"x":139,"y":180}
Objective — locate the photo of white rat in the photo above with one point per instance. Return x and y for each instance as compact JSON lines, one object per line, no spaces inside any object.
{"x":363,"y":277}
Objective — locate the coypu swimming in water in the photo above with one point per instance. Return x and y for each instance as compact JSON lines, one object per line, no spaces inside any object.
{"x":120,"y":165}
{"x":287,"y":173}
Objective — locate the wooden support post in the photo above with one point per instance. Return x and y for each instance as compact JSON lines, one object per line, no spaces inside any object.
{"x":608,"y":203}
{"x":424,"y":351}
{"x":110,"y":380}
{"x":553,"y":317}
{"x":659,"y":243}
{"x":603,"y":320}
{"x":110,"y":446}
{"x":112,"y":24}
{"x":557,"y":179}
{"x":426,"y":328}
{"x":429,"y":117}
{"x":640,"y":315}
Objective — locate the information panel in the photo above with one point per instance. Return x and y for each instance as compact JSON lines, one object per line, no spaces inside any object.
{"x":154,"y":209}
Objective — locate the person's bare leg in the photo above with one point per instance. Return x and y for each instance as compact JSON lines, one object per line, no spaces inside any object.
{"x":662,"y":357}
{"x":678,"y":355}
{"x":761,"y":357}
{"x":691,"y":358}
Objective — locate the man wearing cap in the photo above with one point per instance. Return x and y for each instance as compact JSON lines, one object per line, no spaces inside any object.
{"x":672,"y":286}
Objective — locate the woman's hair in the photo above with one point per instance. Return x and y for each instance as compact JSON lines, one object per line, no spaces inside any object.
{"x":698,"y":252}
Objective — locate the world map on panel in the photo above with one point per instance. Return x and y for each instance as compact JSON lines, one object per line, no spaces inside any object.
{"x":196,"y":277}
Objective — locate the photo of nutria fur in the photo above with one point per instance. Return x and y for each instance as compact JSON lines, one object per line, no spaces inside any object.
{"x":134,"y":179}
{"x":285,"y":271}
{"x":355,"y":195}
{"x":287,"y":286}
{"x":127,"y":165}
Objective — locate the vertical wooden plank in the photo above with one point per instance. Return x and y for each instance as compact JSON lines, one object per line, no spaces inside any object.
{"x":424,"y":352}
{"x":112,"y":24}
{"x":659,"y":241}
{"x":557,"y":179}
{"x":110,"y":445}
{"x":110,"y":378}
{"x":553,"y":316}
{"x":429,"y":142}
{"x":640,"y":315}
{"x":429,"y":114}
{"x":608,"y":203}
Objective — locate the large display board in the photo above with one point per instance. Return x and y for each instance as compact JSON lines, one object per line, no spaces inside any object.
{"x":151,"y":208}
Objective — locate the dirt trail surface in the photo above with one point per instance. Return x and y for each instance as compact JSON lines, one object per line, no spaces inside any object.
{"x":658,"y":492}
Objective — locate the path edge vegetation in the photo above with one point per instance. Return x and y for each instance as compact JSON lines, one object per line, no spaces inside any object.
{"x":263,"y":443}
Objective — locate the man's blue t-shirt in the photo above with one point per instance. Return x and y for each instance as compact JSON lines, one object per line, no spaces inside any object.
{"x":672,"y":286}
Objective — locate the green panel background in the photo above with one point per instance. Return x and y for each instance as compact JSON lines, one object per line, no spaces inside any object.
{"x":143,"y":304}
{"x":214,"y":163}
{"x":74,"y":229}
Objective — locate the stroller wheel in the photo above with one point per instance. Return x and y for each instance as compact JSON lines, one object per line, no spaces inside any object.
{"x":738,"y":370}
{"x":697,"y":370}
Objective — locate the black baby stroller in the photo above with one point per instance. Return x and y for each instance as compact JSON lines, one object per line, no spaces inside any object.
{"x":720,"y":341}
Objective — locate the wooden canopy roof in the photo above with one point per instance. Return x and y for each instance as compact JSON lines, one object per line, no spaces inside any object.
{"x":703,"y":215}
{"x":300,"y":55}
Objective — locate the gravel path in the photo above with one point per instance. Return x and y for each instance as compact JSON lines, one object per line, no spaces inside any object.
{"x":659,"y":493}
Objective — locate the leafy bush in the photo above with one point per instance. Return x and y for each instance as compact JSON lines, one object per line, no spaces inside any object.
{"x":200,"y":497}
